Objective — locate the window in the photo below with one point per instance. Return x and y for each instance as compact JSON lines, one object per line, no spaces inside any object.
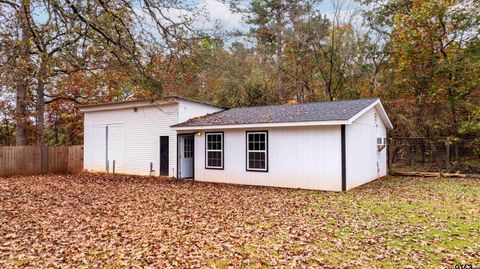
{"x":381,"y":143}
{"x":214,"y":150}
{"x":257,"y":151}
{"x":188,"y":148}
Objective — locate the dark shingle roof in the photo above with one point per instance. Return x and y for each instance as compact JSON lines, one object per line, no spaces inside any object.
{"x":321,"y":111}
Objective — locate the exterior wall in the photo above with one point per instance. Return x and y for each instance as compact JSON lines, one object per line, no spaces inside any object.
{"x":298,"y":157}
{"x":188,"y":109}
{"x":135,"y":136}
{"x":141,"y":142}
{"x":363,"y":162}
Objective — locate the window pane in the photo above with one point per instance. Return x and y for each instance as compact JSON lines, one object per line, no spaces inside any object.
{"x":188,"y":148}
{"x":261,"y":145}
{"x":256,"y":141}
{"x":214,"y":141}
{"x":256,"y":160}
{"x":214,"y":159}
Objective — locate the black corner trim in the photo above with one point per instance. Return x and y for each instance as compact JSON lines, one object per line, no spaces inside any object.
{"x":344,"y":160}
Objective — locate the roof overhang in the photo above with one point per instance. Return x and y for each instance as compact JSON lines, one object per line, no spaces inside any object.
{"x":168,"y":100}
{"x":123,"y":105}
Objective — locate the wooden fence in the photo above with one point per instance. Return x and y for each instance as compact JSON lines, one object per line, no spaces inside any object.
{"x":31,"y":160}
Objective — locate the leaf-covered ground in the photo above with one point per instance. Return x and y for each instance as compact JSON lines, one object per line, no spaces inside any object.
{"x":104,"y":221}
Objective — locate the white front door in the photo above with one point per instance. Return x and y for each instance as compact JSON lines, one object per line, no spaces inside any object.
{"x":186,"y":156}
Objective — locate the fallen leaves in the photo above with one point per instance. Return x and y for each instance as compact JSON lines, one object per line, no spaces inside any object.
{"x":91,"y":220}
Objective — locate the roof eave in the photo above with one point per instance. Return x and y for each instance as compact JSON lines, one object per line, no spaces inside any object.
{"x":260,"y":125}
{"x":140,"y":103}
{"x":123,"y":105}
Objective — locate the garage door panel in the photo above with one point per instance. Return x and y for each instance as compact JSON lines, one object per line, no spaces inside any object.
{"x":116,"y":146}
{"x":99,"y":148}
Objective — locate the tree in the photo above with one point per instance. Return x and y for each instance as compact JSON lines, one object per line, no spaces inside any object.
{"x":429,"y":63}
{"x":270,"y":20}
{"x":85,"y":36}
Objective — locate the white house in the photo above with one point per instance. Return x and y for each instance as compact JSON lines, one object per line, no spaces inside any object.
{"x":331,"y":146}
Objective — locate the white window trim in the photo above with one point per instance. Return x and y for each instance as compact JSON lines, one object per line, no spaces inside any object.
{"x":213,"y":150}
{"x":265,"y":151}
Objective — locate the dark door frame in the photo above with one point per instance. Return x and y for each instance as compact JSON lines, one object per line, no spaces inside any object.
{"x":193,"y":152}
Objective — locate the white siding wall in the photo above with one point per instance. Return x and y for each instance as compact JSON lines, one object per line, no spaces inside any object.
{"x":136,"y":136}
{"x":302,"y":157}
{"x":361,"y":149}
{"x":142,"y":130}
{"x":188,"y":110}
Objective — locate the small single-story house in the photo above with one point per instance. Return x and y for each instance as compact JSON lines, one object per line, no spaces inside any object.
{"x":331,"y":146}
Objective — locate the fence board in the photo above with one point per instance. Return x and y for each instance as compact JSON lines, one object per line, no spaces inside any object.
{"x":75,"y":161}
{"x":30,"y":160}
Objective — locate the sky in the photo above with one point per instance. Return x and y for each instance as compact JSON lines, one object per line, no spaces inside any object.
{"x":219,"y":13}
{"x":232,"y":21}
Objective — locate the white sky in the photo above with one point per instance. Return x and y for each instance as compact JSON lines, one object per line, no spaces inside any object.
{"x":219,"y":13}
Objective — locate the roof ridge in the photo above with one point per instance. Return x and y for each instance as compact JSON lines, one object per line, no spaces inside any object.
{"x":320,"y":102}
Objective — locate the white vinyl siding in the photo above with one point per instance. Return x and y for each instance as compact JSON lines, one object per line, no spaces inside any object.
{"x":298,"y":157}
{"x":134,"y":138}
{"x":138,"y":138}
{"x":364,"y":161}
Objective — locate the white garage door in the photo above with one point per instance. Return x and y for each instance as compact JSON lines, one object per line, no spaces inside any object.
{"x":116,"y":147}
{"x":99,"y":148}
{"x":108,"y":140}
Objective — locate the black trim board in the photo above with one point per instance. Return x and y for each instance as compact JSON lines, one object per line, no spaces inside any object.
{"x":223,"y":151}
{"x":178,"y":156}
{"x":344,"y":159}
{"x":246,"y":151}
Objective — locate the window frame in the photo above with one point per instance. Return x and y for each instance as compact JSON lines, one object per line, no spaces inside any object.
{"x":381,"y":143}
{"x":247,"y":168}
{"x":215,"y":150}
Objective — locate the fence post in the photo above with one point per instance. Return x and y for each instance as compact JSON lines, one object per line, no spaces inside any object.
{"x":389,"y":157}
{"x":447,"y":153}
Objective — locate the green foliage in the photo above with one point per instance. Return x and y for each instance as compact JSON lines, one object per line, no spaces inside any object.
{"x":471,"y":127}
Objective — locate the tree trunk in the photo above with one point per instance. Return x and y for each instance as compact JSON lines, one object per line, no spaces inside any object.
{"x":20,"y":112}
{"x":40,"y":105}
{"x":22,"y":77}
{"x":279,"y":51}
